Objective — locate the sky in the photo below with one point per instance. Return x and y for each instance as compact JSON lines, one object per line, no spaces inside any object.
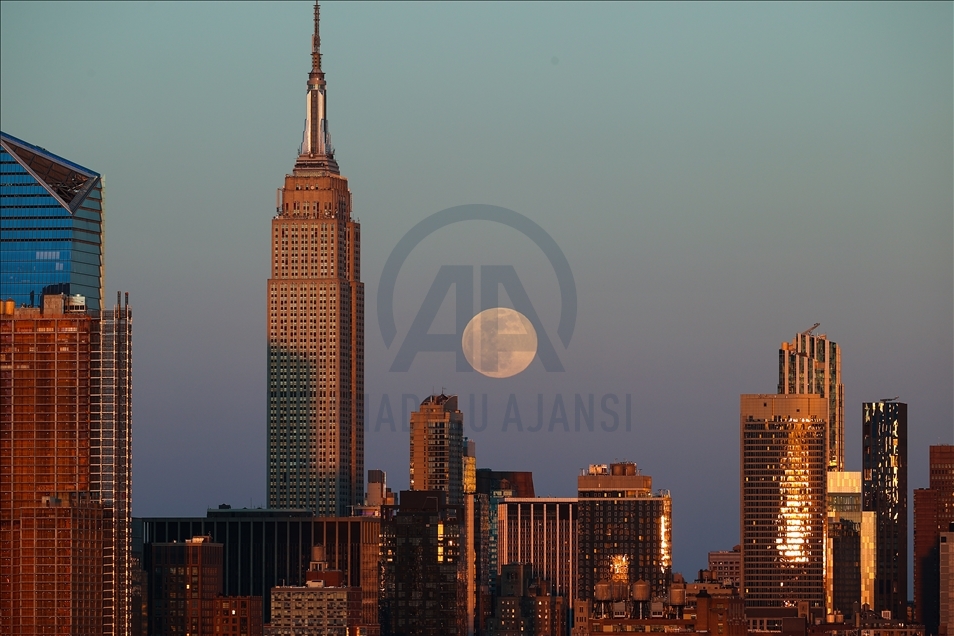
{"x":719,"y":177}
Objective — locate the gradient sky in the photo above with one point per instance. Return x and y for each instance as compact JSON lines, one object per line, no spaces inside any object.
{"x":719,"y":177}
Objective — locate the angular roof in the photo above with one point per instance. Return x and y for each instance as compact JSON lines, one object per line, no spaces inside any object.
{"x":67,"y":181}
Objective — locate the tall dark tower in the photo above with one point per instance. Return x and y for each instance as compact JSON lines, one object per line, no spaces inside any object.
{"x":885,"y":492}
{"x":315,"y":327}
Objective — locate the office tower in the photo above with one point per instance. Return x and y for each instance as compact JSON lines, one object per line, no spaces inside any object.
{"x":315,"y":328}
{"x":933,"y":513}
{"x":66,"y":469}
{"x":51,"y":226}
{"x":423,"y":591}
{"x":184,"y":581}
{"x":270,"y":548}
{"x":783,"y":444}
{"x":725,"y":566}
{"x":946,"y":580}
{"x":542,"y":533}
{"x":850,"y":566}
{"x":884,"y":461}
{"x":811,"y":365}
{"x":437,"y":450}
{"x":625,"y":529}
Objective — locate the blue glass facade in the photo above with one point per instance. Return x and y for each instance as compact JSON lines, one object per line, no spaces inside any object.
{"x":51,"y":226}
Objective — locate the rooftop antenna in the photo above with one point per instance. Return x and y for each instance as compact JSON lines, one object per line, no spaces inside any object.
{"x":316,"y":43}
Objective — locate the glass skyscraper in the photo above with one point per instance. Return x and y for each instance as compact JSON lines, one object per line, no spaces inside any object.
{"x":51,"y":226}
{"x":884,"y":462}
{"x":783,"y":513}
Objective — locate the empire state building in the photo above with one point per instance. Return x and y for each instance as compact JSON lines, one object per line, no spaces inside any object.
{"x":315,"y":327}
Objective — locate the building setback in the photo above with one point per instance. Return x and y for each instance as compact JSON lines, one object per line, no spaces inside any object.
{"x":782,"y":483}
{"x":315,"y":328}
{"x":884,"y":462}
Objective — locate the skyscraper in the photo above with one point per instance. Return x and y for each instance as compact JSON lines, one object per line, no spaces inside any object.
{"x":811,"y":365}
{"x":783,"y":481}
{"x":884,"y":463}
{"x":437,"y":448}
{"x":65,"y":467}
{"x":315,"y":327}
{"x":51,"y":226}
{"x":51,"y":249}
{"x":933,"y":514}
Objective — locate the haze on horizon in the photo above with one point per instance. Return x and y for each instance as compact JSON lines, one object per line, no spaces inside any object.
{"x":719,"y":177}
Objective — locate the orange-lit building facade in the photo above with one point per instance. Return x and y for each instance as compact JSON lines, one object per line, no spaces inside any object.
{"x":64,"y":483}
{"x":811,"y":365}
{"x":437,"y":448}
{"x":783,"y":512}
{"x":315,"y":328}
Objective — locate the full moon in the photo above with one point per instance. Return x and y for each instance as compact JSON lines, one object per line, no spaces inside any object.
{"x":499,"y":342}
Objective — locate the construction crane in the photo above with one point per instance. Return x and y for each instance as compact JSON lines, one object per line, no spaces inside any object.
{"x":894,"y":399}
{"x":808,"y":332}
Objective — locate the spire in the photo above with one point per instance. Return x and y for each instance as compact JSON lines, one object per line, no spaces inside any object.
{"x":317,"y":153}
{"x":316,"y":44}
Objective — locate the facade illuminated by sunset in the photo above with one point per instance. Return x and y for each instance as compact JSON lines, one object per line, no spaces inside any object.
{"x":51,"y":226}
{"x":315,"y":328}
{"x":437,"y":448}
{"x":65,"y":468}
{"x":783,"y":482}
{"x":811,"y":365}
